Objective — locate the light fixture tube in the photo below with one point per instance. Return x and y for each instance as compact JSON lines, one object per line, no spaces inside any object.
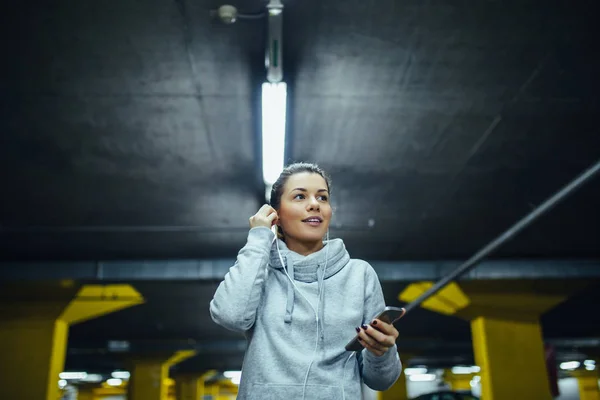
{"x":274,"y":96}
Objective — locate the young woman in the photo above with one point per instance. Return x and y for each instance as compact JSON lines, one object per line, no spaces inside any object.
{"x":299,"y":300}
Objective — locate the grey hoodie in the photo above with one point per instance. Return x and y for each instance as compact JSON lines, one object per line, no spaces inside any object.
{"x":257,"y":298}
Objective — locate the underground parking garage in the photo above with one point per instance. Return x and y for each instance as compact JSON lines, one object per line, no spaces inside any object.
{"x":139,"y":138}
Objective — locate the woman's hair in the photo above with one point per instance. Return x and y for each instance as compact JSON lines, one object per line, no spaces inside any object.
{"x":292,"y":169}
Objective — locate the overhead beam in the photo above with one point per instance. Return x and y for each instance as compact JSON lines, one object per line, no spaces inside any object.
{"x":215,"y":269}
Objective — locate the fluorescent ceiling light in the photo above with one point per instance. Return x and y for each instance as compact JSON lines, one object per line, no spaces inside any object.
{"x":234,"y":376}
{"x":570,"y":365}
{"x":273,"y":130}
{"x":121,"y":374}
{"x":414,"y":371}
{"x":590,"y":365}
{"x":93,"y":378}
{"x":73,"y":375}
{"x":114,"y":382}
{"x":422,"y":377}
{"x":465,"y":370}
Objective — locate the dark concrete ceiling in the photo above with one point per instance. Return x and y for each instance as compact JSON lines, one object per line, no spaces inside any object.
{"x":130,"y":130}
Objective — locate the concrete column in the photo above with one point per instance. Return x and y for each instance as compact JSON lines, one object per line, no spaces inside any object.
{"x":86,"y":392}
{"x":458,"y":381}
{"x":511,"y":357}
{"x":507,"y":337}
{"x":34,"y":326}
{"x":149,"y":375}
{"x":191,"y":386}
{"x":588,"y":384}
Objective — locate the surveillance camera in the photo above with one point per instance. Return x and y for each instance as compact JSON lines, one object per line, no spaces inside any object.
{"x":227,"y":14}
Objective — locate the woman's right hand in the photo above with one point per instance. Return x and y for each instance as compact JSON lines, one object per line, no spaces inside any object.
{"x":266,"y":216}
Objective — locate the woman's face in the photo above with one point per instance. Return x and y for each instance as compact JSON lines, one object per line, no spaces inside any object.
{"x":304,"y":212}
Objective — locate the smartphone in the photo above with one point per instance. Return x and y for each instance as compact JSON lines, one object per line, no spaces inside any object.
{"x":389,"y":315}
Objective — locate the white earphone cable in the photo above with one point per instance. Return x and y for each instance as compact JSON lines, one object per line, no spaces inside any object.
{"x":315,"y":310}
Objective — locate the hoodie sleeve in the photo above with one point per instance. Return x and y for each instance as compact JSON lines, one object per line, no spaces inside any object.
{"x":236,"y":299}
{"x":379,"y":373}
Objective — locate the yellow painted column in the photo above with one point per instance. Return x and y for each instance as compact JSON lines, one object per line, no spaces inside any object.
{"x":226,"y":390}
{"x":147,"y":380}
{"x":86,"y":393}
{"x":396,"y":392}
{"x":171,"y":389}
{"x":212,"y":390}
{"x":150,"y":375}
{"x":34,"y":326}
{"x":511,"y":357}
{"x":32,"y":355}
{"x":191,"y":386}
{"x":588,"y":384}
{"x":104,"y":390}
{"x":507,"y":338}
{"x":458,"y":381}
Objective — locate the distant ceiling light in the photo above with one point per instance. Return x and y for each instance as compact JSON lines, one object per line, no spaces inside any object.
{"x":422,"y":378}
{"x":590,"y":365}
{"x":232,"y":374}
{"x":62,"y":384}
{"x":114,"y":382}
{"x":274,"y":96}
{"x":121,"y":374}
{"x":570,"y":365}
{"x":414,"y":371}
{"x":459,"y":370}
{"x":93,"y":378}
{"x":72,"y":375}
{"x":118,"y":345}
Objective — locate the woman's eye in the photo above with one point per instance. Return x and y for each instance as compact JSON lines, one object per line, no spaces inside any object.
{"x":301,"y":197}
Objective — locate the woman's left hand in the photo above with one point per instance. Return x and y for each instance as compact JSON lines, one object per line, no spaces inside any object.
{"x":378,"y":337}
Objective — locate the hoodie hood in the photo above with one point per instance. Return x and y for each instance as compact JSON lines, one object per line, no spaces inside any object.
{"x":308,"y":268}
{"x":316,"y":267}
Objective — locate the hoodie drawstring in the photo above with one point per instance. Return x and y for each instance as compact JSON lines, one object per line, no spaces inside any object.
{"x":321,"y":310}
{"x":289,"y":307}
